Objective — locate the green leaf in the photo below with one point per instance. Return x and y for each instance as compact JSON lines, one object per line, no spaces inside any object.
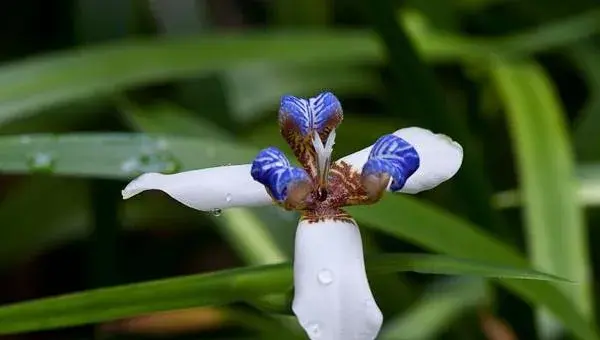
{"x":168,"y":118}
{"x":441,"y":46}
{"x":442,"y":303}
{"x":556,"y":232}
{"x":442,"y":232}
{"x":114,"y":155}
{"x":212,"y":289}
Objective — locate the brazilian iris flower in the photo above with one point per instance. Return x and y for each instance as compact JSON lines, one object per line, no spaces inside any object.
{"x":332,"y":297}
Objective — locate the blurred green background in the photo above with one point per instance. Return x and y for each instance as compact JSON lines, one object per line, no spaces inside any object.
{"x":94,"y":92}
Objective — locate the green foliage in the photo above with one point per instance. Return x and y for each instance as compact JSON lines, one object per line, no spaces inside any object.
{"x":213,"y":289}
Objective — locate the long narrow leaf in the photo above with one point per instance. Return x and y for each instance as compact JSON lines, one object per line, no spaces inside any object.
{"x":557,"y":236}
{"x":114,"y":155}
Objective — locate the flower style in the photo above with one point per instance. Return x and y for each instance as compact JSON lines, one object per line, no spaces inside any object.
{"x":332,"y":298}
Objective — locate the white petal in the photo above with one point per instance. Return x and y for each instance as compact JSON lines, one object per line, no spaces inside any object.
{"x":332,"y":299}
{"x":205,"y":189}
{"x":440,"y":158}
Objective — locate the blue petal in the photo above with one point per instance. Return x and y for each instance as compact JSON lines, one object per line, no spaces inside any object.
{"x":312,"y":113}
{"x":273,"y":170}
{"x":394,"y":156}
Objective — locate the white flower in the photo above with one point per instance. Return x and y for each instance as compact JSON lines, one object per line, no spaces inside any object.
{"x":332,"y":299}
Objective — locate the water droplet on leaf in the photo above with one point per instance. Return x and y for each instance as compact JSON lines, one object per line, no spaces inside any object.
{"x":156,"y":161}
{"x":162,"y":144}
{"x":325,"y":276}
{"x":216,"y":212}
{"x":41,"y":162}
{"x":25,"y":139}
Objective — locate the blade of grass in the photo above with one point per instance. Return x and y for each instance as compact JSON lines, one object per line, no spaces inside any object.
{"x":556,"y":231}
{"x":440,"y":231}
{"x":211,"y":289}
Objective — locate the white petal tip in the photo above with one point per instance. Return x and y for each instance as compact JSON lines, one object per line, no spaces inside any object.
{"x":441,"y":157}
{"x":140,"y":184}
{"x":205,"y":189}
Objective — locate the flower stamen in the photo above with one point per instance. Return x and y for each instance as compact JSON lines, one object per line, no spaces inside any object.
{"x":323,"y":160}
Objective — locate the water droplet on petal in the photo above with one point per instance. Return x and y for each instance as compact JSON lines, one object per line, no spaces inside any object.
{"x":41,"y":162}
{"x":313,"y":329}
{"x":325,"y":276}
{"x":228,"y":198}
{"x":216,"y":212}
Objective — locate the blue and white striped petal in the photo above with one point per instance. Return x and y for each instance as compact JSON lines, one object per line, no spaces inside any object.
{"x":320,"y":113}
{"x":440,"y":158}
{"x":272,"y":169}
{"x":394,"y":156}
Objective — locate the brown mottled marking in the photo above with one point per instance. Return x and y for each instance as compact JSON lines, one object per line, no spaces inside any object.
{"x":302,"y":146}
{"x":312,"y":216}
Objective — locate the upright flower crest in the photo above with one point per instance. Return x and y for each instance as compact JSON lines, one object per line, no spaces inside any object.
{"x":332,"y":298}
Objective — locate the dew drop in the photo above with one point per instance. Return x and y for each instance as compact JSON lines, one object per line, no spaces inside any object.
{"x":130,"y":165}
{"x":41,"y":162}
{"x":216,"y":212}
{"x":325,"y":277}
{"x":162,"y":144}
{"x":157,"y":161}
{"x":228,"y":198}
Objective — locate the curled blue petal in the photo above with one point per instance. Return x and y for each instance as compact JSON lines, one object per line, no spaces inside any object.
{"x":272,"y":169}
{"x":394,"y":156}
{"x":311,"y":114}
